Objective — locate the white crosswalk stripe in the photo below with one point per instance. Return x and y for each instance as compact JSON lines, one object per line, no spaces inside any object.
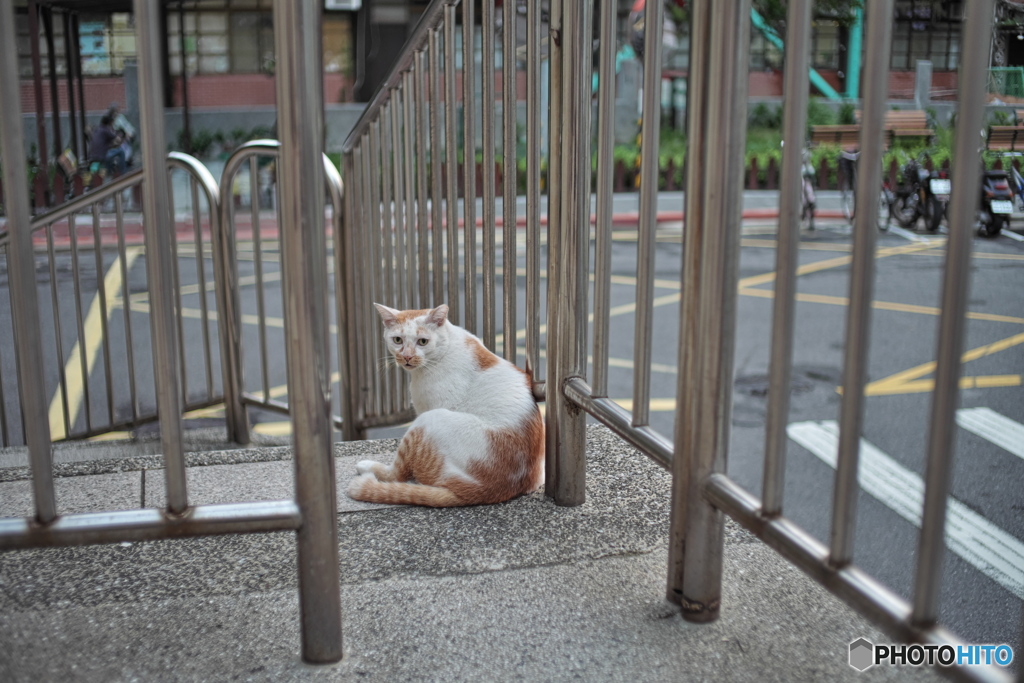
{"x":994,"y":427}
{"x":991,"y":550}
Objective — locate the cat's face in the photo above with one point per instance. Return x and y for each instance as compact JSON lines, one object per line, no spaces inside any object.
{"x":414,"y":338}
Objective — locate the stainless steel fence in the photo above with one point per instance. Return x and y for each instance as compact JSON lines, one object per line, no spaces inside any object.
{"x":312,"y":513}
{"x":98,"y":237}
{"x":404,"y":218}
{"x":253,"y":166}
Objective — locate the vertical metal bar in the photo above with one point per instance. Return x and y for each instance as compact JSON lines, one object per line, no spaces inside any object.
{"x":533,"y":164}
{"x":83,"y":364}
{"x":223,"y":241}
{"x":69,"y":69}
{"x":605,"y":168}
{"x":436,"y":196}
{"x":257,"y":262}
{"x":101,"y":295}
{"x":376,"y":236}
{"x":57,"y":331}
{"x":487,"y":128}
{"x":201,"y":275}
{"x":722,"y":170}
{"x":346,"y":272}
{"x":37,"y":77}
{"x":126,"y":306}
{"x":387,"y":228}
{"x":645,"y":253}
{"x":51,"y":58}
{"x":469,"y":161}
{"x":76,"y":41}
{"x":952,"y":322}
{"x":185,"y":118}
{"x":21,"y":262}
{"x":362,"y":308}
{"x":159,"y":249}
{"x":412,"y":164}
{"x":568,"y":245}
{"x":509,"y":176}
{"x":858,"y":318}
{"x":176,"y":278}
{"x":372,"y":249}
{"x":5,"y":433}
{"x":422,"y":203}
{"x":398,"y":211}
{"x":798,"y":32}
{"x":297,"y":40}
{"x":451,"y":153}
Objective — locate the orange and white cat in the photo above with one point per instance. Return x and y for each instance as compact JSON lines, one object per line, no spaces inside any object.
{"x":478,"y":437}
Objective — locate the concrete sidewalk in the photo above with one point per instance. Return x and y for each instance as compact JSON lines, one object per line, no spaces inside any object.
{"x":524,"y":590}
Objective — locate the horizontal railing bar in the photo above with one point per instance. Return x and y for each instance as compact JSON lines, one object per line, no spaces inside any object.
{"x":616,"y":418}
{"x":400,"y":417}
{"x":850,"y":584}
{"x":429,"y":20}
{"x":268,"y":403}
{"x":150,"y":524}
{"x":88,"y":199}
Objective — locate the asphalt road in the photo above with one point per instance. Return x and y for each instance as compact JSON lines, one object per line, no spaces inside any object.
{"x":984,"y":571}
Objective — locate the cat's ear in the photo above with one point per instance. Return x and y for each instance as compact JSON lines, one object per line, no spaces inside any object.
{"x":438,"y":316}
{"x":388,"y":315}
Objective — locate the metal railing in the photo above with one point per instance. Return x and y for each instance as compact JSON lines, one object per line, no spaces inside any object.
{"x":411,"y":216}
{"x":312,"y":513}
{"x":403,"y":216}
{"x":263,"y":247}
{"x":105,"y":267}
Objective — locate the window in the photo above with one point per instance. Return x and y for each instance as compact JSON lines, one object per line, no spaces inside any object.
{"x":252,"y":42}
{"x":927,"y":30}
{"x":763,"y":55}
{"x":825,"y":44}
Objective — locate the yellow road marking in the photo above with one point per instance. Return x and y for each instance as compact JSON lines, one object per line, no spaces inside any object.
{"x":903,"y":382}
{"x":925,"y":385}
{"x":93,"y":327}
{"x":882,"y":305}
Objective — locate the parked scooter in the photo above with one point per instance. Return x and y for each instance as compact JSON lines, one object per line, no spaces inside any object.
{"x":923,"y":194}
{"x":996,"y":203}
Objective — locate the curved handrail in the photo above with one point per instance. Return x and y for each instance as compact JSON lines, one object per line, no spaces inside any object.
{"x":227,"y":261}
{"x":198,"y":170}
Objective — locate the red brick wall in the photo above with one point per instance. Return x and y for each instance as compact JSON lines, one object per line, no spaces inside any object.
{"x":204,"y":91}
{"x":233,"y":90}
{"x":99,"y":93}
{"x":901,"y":85}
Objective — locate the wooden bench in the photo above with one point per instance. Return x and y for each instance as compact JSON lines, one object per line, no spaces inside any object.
{"x":899,"y":123}
{"x":844,"y":135}
{"x":1005,"y":138}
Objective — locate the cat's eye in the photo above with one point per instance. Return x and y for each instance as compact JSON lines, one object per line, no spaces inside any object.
{"x":397,"y":340}
{"x":422,"y":342}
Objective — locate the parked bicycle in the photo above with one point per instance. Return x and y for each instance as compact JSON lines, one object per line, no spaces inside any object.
{"x":922,"y":194}
{"x":848,"y":190}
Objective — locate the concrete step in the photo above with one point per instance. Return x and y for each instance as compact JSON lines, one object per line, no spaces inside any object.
{"x":524,"y":590}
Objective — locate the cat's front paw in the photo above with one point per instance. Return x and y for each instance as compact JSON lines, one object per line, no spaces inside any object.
{"x":366,"y":466}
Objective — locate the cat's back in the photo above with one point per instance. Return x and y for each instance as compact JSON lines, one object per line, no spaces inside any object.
{"x":498,"y":391}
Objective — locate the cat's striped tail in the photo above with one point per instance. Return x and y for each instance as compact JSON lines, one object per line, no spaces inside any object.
{"x":367,"y":488}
